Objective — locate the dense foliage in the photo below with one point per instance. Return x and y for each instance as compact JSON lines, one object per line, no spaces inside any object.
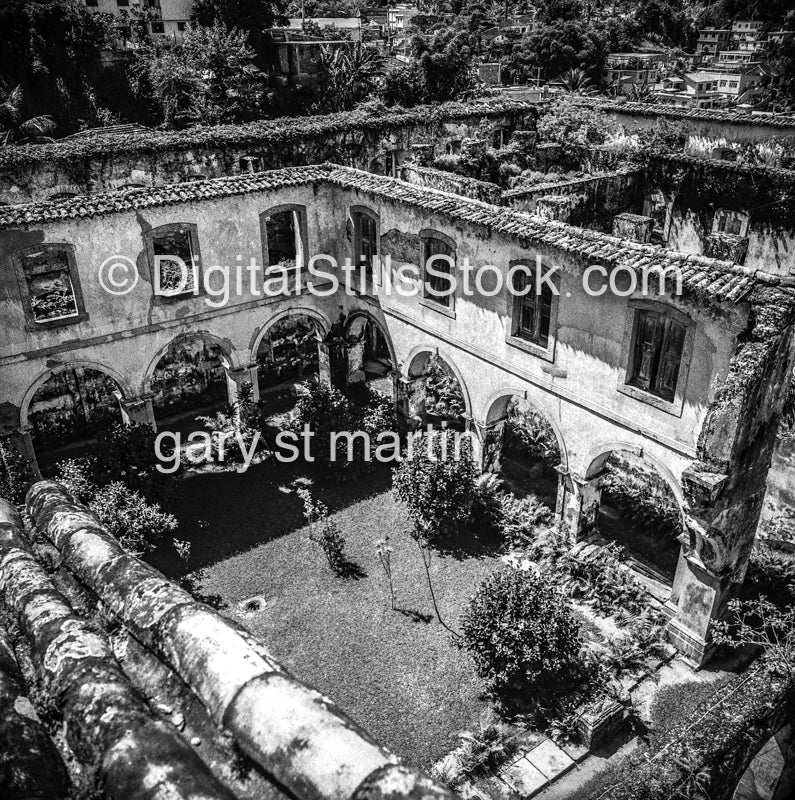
{"x":438,"y":488}
{"x":15,"y":473}
{"x":521,"y":633}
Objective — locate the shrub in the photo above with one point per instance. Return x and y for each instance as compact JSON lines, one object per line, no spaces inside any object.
{"x":127,"y":453}
{"x":77,"y":477}
{"x":438,"y":492}
{"x":521,"y":634}
{"x":326,"y":534}
{"x":136,"y":523}
{"x":15,"y":472}
{"x":515,"y":518}
{"x":325,"y":411}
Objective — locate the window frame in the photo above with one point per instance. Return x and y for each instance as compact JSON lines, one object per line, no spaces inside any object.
{"x":31,"y":323}
{"x":301,"y":253}
{"x":149,"y":243}
{"x":429,"y":301}
{"x":356,"y":213}
{"x":674,"y":406}
{"x":516,"y":303}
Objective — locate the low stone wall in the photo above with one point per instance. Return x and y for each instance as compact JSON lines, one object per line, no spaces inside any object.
{"x":595,"y":199}
{"x":450,"y":182}
{"x":85,"y":165}
{"x":294,"y":733}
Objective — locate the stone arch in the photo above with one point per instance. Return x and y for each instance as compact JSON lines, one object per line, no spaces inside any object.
{"x":64,"y":191}
{"x":597,"y":457}
{"x":371,"y":353}
{"x":649,"y":532}
{"x":497,"y":407}
{"x":65,"y":405}
{"x":121,"y":382}
{"x":208,"y":379}
{"x":321,"y":319}
{"x":415,"y":369}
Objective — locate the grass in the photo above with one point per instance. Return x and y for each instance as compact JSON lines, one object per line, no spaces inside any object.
{"x":395,"y":672}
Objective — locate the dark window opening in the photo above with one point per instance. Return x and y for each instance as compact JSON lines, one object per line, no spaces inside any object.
{"x":435,"y":285}
{"x":281,"y":231}
{"x":157,"y":27}
{"x":657,"y":353}
{"x":366,"y":237}
{"x":49,"y":283}
{"x":175,"y":250}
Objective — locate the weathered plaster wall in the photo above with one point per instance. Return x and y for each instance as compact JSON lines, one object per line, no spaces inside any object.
{"x":156,"y":159}
{"x":450,"y":182}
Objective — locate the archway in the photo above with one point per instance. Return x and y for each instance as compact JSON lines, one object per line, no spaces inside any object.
{"x":527,"y":447}
{"x":437,"y":394}
{"x":287,"y":353}
{"x":370,"y":354}
{"x":189,"y":377}
{"x":67,"y":407}
{"x":640,"y":509}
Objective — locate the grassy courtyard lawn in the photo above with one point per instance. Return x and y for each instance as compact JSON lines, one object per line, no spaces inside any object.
{"x":395,"y":672}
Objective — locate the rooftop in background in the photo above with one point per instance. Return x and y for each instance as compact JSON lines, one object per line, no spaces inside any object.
{"x":108,"y":130}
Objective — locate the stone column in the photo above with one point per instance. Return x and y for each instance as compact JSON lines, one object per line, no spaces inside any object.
{"x":235,"y":378}
{"x":356,"y":362}
{"x":554,"y":207}
{"x":635,"y":227}
{"x":491,"y":436}
{"x":697,"y":598}
{"x":333,"y":364}
{"x":138,"y":410}
{"x":578,"y":503}
{"x":411,"y":402}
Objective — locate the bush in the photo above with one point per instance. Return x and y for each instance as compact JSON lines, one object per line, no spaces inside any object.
{"x":439,"y":492}
{"x":77,"y":477}
{"x":15,"y":472}
{"x":325,"y":411}
{"x":521,"y":634}
{"x":126,"y":453}
{"x":137,"y":524}
{"x":515,"y":518}
{"x":326,"y":534}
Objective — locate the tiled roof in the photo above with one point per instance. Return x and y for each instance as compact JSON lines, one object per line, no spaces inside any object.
{"x":720,"y":280}
{"x":702,"y":114}
{"x":787,"y":175}
{"x":283,"y":129}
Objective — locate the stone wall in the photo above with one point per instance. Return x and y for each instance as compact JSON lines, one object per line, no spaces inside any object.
{"x":377,"y":142}
{"x":450,"y":182}
{"x":595,"y":199}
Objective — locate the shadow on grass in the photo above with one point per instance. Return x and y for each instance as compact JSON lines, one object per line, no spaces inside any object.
{"x":192,"y":583}
{"x":351,"y":571}
{"x":415,"y":616}
{"x":223,"y":514}
{"x":470,"y":541}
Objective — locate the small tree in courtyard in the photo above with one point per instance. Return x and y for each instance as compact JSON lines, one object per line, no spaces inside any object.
{"x":521,"y":634}
{"x":436,"y":481}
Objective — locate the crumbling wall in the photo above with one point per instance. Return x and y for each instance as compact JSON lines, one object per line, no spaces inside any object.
{"x":449,"y":182}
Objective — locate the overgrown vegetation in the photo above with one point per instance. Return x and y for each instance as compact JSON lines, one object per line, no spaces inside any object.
{"x":15,"y":473}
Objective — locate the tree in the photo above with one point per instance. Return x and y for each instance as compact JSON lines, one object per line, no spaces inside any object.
{"x":15,"y":472}
{"x":50,"y":50}
{"x":245,"y":15}
{"x":574,"y":125}
{"x":349,"y":75}
{"x":440,"y":70}
{"x":577,"y":82}
{"x":15,"y":130}
{"x":207,"y":77}
{"x":521,"y":633}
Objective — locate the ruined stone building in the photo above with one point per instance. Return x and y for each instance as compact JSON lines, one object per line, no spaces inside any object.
{"x":690,"y":383}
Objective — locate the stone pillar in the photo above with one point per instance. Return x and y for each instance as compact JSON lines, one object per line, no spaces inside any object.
{"x":697,"y":598}
{"x":554,"y":207}
{"x":633,"y":227}
{"x":411,"y":402}
{"x":578,"y":503}
{"x":726,"y":247}
{"x":333,"y":364}
{"x":20,"y":438}
{"x":491,"y":436}
{"x":235,"y":378}
{"x":356,"y":362}
{"x":138,"y":410}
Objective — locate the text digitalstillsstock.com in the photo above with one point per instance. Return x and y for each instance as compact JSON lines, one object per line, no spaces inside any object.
{"x":323,"y":276}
